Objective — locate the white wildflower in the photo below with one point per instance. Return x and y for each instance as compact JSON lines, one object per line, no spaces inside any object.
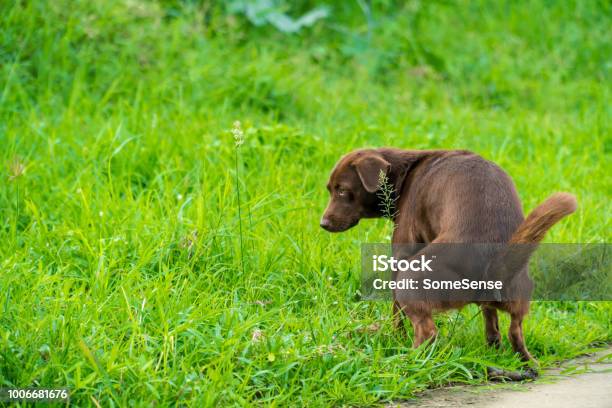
{"x":257,"y":336}
{"x":238,"y":134}
{"x":16,"y":168}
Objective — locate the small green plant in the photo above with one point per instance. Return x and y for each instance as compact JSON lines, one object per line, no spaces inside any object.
{"x":386,"y":193}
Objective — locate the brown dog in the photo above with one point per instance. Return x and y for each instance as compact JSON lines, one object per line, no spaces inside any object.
{"x":442,"y":196}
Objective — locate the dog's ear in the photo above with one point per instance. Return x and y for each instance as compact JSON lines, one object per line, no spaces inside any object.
{"x":368,"y":168}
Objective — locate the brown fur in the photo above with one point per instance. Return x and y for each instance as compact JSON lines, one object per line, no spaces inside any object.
{"x":444,"y":196}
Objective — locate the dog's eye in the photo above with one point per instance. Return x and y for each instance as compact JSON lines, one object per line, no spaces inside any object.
{"x":341,"y":192}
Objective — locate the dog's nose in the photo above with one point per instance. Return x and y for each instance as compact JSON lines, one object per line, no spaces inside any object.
{"x":325,"y":223}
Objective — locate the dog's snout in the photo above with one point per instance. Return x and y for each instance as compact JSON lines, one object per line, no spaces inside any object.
{"x":325,"y":223}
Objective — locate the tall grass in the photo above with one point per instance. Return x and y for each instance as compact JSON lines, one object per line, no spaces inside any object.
{"x":120,"y":276}
{"x":238,"y":141}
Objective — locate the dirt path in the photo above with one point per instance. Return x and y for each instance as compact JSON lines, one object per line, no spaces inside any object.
{"x":589,"y":387}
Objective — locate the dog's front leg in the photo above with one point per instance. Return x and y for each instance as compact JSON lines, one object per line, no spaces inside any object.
{"x":411,"y":302}
{"x":424,"y":327}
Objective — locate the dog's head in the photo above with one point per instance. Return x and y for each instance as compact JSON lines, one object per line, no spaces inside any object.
{"x":352,"y":186}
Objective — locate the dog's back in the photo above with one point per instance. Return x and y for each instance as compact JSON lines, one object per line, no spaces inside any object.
{"x":457,"y":196}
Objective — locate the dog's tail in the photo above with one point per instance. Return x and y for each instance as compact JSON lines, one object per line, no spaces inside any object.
{"x":543,"y":217}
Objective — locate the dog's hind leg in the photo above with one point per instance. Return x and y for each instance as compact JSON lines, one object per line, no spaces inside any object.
{"x":515,"y":334}
{"x":518,"y":344}
{"x":517,"y":310}
{"x":491,"y":326}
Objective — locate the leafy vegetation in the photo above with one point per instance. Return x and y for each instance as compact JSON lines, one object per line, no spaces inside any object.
{"x":122,"y":275}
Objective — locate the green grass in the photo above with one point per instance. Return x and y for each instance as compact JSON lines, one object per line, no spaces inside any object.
{"x":121,"y":274}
